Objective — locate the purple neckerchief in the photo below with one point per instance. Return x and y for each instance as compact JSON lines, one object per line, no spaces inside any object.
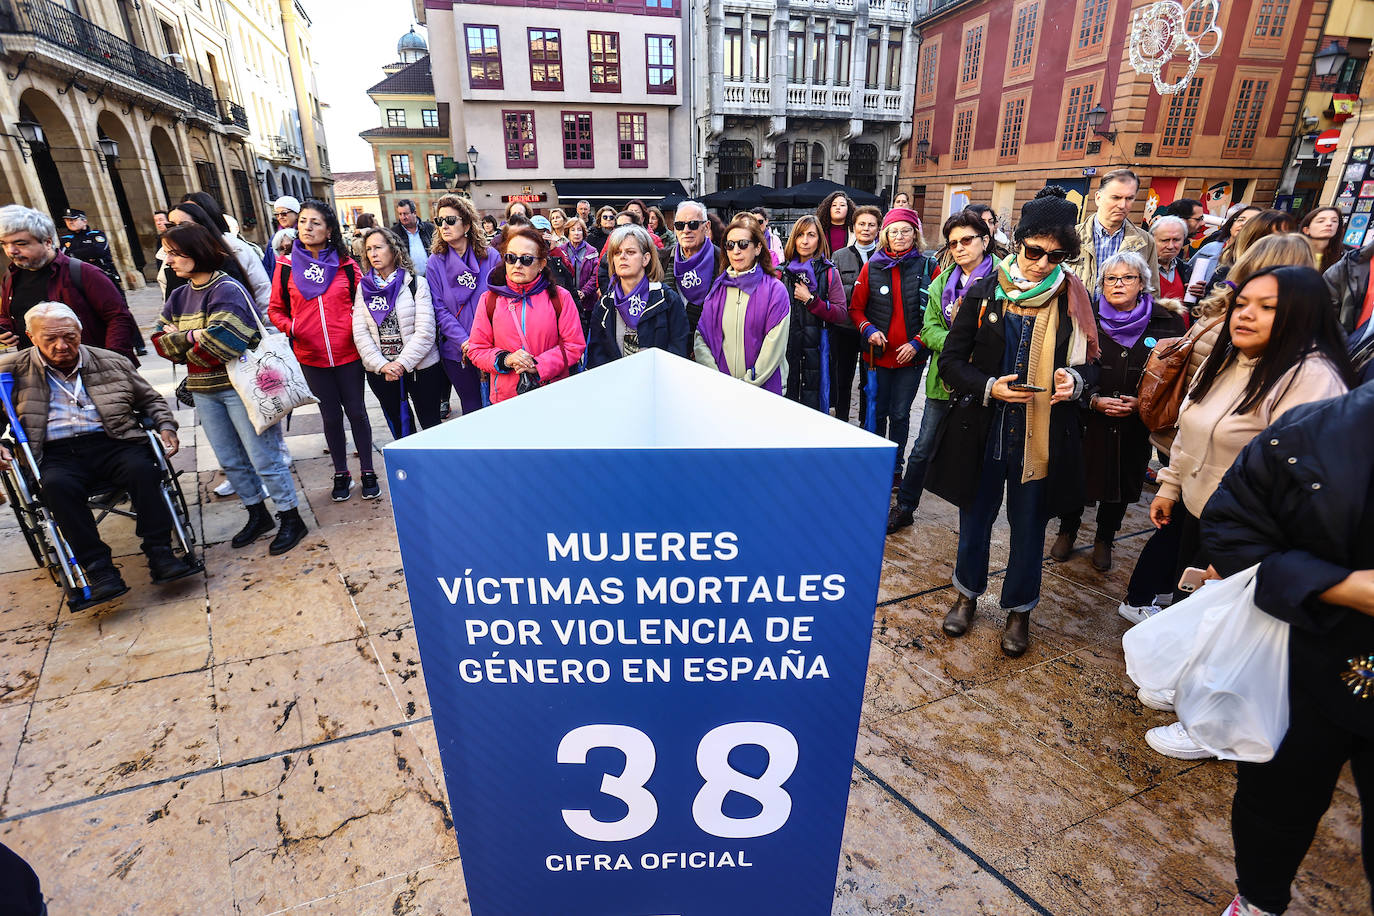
{"x":768,"y":305}
{"x":806,"y":270}
{"x":528,"y":291}
{"x":1125,"y":328}
{"x":955,"y":281}
{"x":312,"y":275}
{"x":579,"y":253}
{"x":884,"y":260}
{"x":380,"y":295}
{"x":632,"y":305}
{"x":696,"y":275}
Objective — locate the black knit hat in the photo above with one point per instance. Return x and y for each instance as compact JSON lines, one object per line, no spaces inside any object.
{"x":1049,"y":210}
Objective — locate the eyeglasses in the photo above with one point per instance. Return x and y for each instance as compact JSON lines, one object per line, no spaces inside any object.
{"x":1035,"y":253}
{"x":281,"y":213}
{"x":900,"y":233}
{"x":691,"y":225}
{"x":524,"y":260}
{"x":1120,"y":281}
{"x":738,"y":244}
{"x":606,"y":216}
{"x":448,"y":220}
{"x":966,"y":240}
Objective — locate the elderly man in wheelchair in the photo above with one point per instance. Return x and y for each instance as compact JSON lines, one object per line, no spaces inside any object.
{"x":79,"y":420}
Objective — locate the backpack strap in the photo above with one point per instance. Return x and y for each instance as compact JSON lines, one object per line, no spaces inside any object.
{"x":74,"y":271}
{"x":284,"y":275}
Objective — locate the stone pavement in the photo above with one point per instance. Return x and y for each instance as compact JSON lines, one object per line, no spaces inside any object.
{"x":257,"y":739}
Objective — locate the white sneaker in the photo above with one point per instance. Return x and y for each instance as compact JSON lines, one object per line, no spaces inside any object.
{"x":225,"y":489}
{"x":1174,"y":741}
{"x":1138,"y":613}
{"x":1239,"y":907}
{"x":1163,"y":700}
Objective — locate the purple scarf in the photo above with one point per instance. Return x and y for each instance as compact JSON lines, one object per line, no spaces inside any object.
{"x":527,"y":293}
{"x":631,"y":307}
{"x":312,"y":275}
{"x":883,"y":260}
{"x":806,"y":271}
{"x":768,"y":305}
{"x":955,"y":281}
{"x":462,"y":276}
{"x":380,"y":298}
{"x":1125,"y":328}
{"x":696,"y":275}
{"x":580,"y":252}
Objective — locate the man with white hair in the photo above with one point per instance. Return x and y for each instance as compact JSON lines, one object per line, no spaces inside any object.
{"x":39,"y":272}
{"x":1171,"y":240}
{"x":80,"y":407}
{"x":689,"y":264}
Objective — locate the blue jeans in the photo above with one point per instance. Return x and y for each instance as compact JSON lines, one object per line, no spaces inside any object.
{"x":249,"y":460}
{"x":896,"y":393}
{"x":913,"y":482}
{"x":1025,"y":513}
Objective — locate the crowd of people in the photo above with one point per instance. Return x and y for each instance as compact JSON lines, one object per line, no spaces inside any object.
{"x":1068,"y":363}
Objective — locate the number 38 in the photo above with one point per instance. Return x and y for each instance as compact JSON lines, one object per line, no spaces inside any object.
{"x":712,"y":762}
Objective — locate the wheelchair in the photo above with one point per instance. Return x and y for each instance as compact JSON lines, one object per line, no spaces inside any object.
{"x":24,"y":487}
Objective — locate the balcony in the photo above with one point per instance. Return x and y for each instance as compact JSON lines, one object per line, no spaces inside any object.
{"x":809,"y":100}
{"x":232,"y":114}
{"x":73,"y":36}
{"x":281,"y":149}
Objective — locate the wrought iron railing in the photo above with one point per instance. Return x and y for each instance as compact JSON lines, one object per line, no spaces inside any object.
{"x":60,"y":26}
{"x":231,"y":112}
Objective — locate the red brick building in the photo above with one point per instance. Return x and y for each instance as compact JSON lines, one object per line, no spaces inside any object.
{"x":1006,"y":92}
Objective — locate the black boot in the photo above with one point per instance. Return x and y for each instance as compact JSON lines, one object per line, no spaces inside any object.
{"x":105,"y":584}
{"x":259,"y":523}
{"x":900,"y":517}
{"x":960,"y":615}
{"x":165,"y":566}
{"x":1016,"y":638}
{"x":289,"y":534}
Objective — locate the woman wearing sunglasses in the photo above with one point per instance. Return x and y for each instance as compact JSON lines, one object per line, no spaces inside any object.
{"x":1020,"y":352}
{"x":746,"y":319}
{"x":527,"y":331}
{"x":638,"y":311}
{"x":459,"y":263}
{"x":601,"y":231}
{"x":887,"y":306}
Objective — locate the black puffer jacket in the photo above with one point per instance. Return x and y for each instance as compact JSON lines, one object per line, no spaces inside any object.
{"x":1299,"y":501}
{"x":1348,"y":279}
{"x":804,"y":338}
{"x":663,"y":324}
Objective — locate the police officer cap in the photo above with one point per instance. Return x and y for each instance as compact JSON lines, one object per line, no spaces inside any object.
{"x":73,"y":213}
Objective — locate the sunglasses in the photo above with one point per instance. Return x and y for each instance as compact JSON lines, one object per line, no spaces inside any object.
{"x":967,"y":240}
{"x":280,"y":213}
{"x":738,"y":244}
{"x":447,"y":220}
{"x":1034,"y":253}
{"x":524,"y":260}
{"x":692,"y":225}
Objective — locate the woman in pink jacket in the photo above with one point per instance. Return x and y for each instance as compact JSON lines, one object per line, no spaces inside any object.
{"x":527,"y":331}
{"x":312,"y":301}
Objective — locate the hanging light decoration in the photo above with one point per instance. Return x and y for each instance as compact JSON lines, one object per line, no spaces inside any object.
{"x":1159,"y":33}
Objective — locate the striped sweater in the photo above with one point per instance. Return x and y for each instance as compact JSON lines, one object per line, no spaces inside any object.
{"x":220,"y":314}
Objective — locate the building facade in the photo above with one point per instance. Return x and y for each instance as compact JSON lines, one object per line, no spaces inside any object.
{"x":355,"y":193}
{"x":1013,"y":94}
{"x":411,"y":148}
{"x":548,"y":109}
{"x":300,"y":53}
{"x":804,"y":89}
{"x":119,"y":108}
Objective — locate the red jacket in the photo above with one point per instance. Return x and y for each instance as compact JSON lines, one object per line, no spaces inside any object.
{"x":105,"y":319}
{"x":321,"y":329}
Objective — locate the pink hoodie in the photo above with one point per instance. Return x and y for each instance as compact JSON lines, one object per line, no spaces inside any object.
{"x":554,"y":339}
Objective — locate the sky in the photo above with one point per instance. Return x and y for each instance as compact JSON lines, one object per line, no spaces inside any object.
{"x":353,"y":41}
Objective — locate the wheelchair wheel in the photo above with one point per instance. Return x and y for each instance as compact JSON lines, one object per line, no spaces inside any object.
{"x":28,"y":520}
{"x":45,"y":540}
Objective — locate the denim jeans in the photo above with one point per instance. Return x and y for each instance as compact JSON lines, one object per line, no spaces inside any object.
{"x":896,"y":393}
{"x":250,"y":461}
{"x":1025,"y":513}
{"x":913,"y":481}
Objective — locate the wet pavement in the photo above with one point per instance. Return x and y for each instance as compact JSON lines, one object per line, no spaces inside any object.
{"x":257,"y":739}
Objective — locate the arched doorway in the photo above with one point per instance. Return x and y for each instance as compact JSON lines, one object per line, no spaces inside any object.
{"x":272,"y":186}
{"x":736,"y":165}
{"x":126,"y":180}
{"x":171,"y":172}
{"x":57,"y":134}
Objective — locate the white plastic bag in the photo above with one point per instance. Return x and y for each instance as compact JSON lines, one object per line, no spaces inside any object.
{"x":269,"y":380}
{"x":1157,"y":649}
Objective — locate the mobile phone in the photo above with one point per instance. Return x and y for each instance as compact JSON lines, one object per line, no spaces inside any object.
{"x":1192,"y":579}
{"x":1021,"y":386}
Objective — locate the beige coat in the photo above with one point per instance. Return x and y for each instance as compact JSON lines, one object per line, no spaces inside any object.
{"x":121,"y":396}
{"x":1137,"y":240}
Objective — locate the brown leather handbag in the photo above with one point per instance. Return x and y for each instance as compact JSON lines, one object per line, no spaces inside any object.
{"x":1164,"y":383}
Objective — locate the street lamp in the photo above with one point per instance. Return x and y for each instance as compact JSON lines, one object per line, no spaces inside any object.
{"x":1329,"y":60}
{"x":923,"y":151}
{"x":30,"y":135}
{"x":106,"y":149}
{"x":1097,"y":116}
{"x":472,"y":162}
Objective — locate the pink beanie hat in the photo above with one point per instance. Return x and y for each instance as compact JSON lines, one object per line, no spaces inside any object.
{"x":902,"y":215}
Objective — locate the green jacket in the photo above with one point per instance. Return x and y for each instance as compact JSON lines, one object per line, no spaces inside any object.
{"x":934,"y":330}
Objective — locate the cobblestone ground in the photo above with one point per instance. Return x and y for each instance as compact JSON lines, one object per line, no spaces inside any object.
{"x":257,"y":739}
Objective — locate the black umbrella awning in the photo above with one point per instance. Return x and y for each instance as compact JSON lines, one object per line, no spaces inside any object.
{"x":737,"y":198}
{"x":615,"y":192}
{"x":811,"y":193}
